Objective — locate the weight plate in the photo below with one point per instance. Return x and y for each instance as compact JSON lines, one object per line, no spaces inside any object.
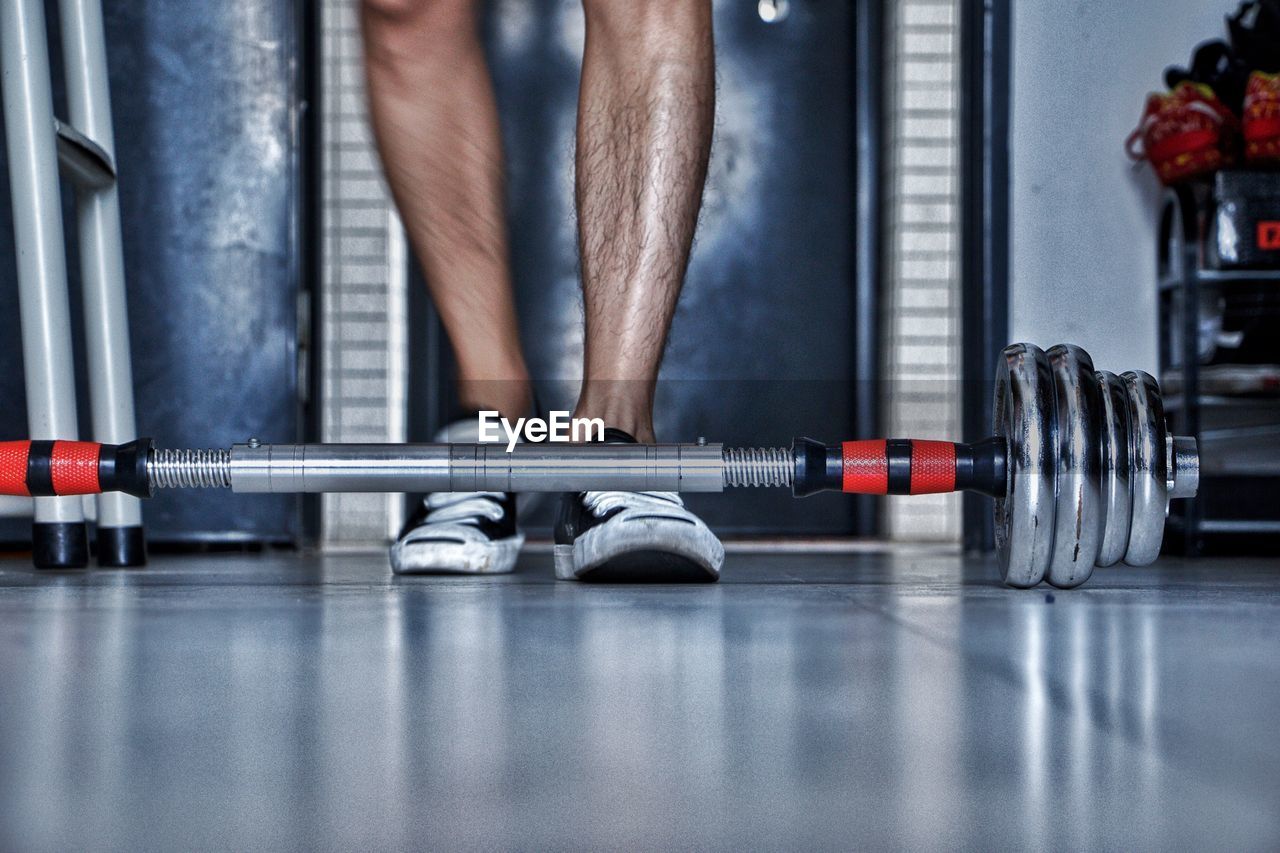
{"x":1117,"y":502}
{"x":1024,"y":415}
{"x":1077,"y":531}
{"x":1147,"y":465}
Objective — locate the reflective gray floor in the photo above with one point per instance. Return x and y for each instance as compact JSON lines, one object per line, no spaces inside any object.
{"x":839,"y":700}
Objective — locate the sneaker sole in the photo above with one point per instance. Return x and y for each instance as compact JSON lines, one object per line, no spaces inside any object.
{"x":448,"y":558}
{"x":654,"y":554}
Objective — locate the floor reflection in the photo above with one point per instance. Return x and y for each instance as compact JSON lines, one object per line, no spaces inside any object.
{"x":316,"y":704}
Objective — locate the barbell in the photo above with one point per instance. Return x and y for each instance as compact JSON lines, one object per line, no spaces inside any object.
{"x":1081,"y":466}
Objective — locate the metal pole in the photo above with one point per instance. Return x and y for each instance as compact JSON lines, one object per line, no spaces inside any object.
{"x":293,"y":468}
{"x":869,"y":231}
{"x":59,"y":539}
{"x":102,"y":276}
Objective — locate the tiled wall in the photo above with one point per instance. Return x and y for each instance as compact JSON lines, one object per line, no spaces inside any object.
{"x":922,"y":253}
{"x":363,"y":291}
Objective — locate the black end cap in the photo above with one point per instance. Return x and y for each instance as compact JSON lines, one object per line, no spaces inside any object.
{"x":991,"y":466}
{"x":123,"y":468}
{"x":121,"y":547}
{"x":818,"y":467}
{"x":59,"y":545}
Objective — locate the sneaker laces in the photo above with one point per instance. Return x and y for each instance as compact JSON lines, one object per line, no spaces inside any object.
{"x":464,"y":507}
{"x":602,"y":503}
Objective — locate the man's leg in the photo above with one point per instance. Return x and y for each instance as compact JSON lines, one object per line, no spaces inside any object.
{"x":436,"y":123}
{"x":645,"y":117}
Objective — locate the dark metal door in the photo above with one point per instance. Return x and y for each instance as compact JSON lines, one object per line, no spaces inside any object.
{"x":762,"y":348}
{"x":206,"y":103}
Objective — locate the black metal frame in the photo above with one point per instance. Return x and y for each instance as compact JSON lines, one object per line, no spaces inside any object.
{"x":1185,"y":273}
{"x":985,"y":48}
{"x":868,"y":36}
{"x":310,"y":238}
{"x":1178,"y":268}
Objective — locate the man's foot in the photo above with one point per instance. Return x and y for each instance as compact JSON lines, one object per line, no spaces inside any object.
{"x":459,"y":532}
{"x":633,"y":536}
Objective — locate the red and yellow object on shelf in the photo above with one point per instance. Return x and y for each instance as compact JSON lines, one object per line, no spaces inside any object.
{"x":1262,"y":118}
{"x":1186,"y":133}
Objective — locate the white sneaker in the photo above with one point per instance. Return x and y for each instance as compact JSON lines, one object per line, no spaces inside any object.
{"x":459,"y":532}
{"x":633,"y":536}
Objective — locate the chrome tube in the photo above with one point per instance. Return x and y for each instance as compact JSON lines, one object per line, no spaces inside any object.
{"x":292,"y":468}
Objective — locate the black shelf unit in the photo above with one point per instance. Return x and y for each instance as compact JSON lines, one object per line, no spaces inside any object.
{"x":1231,"y":407}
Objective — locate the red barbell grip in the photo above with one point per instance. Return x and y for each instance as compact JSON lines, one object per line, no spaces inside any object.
{"x":13,"y":468}
{"x":49,"y":468}
{"x":898,"y":467}
{"x":933,"y":467}
{"x":865,"y":467}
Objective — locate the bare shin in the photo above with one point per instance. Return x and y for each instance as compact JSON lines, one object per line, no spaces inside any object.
{"x":645,"y":118}
{"x":436,"y":124}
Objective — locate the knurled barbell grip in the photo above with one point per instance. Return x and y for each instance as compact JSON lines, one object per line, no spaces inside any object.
{"x":900,"y":466}
{"x":58,"y":468}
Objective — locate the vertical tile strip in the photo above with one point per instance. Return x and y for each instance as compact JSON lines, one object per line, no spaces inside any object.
{"x":922,"y":317}
{"x":363,"y":347}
